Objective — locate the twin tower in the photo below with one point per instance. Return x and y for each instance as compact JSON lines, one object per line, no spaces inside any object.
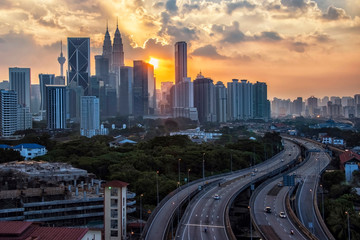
{"x":115,"y":52}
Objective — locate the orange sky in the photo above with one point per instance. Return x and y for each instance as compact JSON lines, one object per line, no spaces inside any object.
{"x":298,"y":47}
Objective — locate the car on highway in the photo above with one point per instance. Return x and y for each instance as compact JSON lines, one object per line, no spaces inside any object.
{"x":268,"y":209}
{"x":216,"y":197}
{"x":282,"y":215}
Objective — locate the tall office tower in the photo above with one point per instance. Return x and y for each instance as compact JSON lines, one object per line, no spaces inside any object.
{"x":24,"y":118}
{"x":261,"y":105}
{"x":107,"y":48}
{"x":20,"y":83}
{"x":312,"y":105}
{"x":56,"y":106}
{"x":240,"y":100}
{"x":8,"y":112}
{"x":144,"y":95}
{"x":61,"y":60}
{"x":111,"y":101}
{"x":204,"y":99}
{"x":117,"y":51}
{"x":35,"y":98}
{"x":90,"y":116}
{"x":298,"y":106}
{"x":180,"y":61}
{"x":5,"y":85}
{"x":357,"y":105}
{"x":165,"y":98}
{"x":115,"y":196}
{"x":102,"y":67}
{"x":45,"y":79}
{"x":59,"y":80}
{"x":221,"y":102}
{"x":125,"y":92}
{"x":79,"y":63}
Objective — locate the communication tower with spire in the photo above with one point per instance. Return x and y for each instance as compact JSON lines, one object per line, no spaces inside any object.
{"x":61,"y":61}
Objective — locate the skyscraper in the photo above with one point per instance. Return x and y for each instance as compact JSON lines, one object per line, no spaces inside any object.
{"x":45,"y":79}
{"x":312,"y":105}
{"x":221,"y":102}
{"x":184,"y":100}
{"x":180,"y":61}
{"x":107,"y":48}
{"x":298,"y":102}
{"x":261,"y":103}
{"x":61,"y":60}
{"x":204,"y":99}
{"x":125,"y":92}
{"x":90,"y":116}
{"x":240,"y":100}
{"x":144,"y":91}
{"x":117,"y":51}
{"x":8,"y":112}
{"x":79,"y":62}
{"x":56,"y":106}
{"x":20,"y":83}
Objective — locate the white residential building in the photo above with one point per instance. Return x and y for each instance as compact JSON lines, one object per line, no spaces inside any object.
{"x":30,"y":150}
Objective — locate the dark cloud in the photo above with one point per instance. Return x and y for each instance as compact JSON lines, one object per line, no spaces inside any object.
{"x":171,"y":6}
{"x":298,"y":46}
{"x":268,"y":36}
{"x":243,"y":4}
{"x":232,"y":34}
{"x":217,"y":28}
{"x":158,"y":5}
{"x":190,"y":7}
{"x":208,"y":51}
{"x":273,"y":7}
{"x":182,"y":33}
{"x":334,"y":13}
{"x":320,"y":37}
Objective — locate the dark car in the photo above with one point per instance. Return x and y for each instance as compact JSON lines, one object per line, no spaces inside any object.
{"x":268,"y":209}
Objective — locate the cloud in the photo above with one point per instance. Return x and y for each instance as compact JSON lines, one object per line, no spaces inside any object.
{"x":268,"y":36}
{"x":190,"y":7}
{"x":297,"y":4}
{"x":232,"y":34}
{"x":334,"y":13}
{"x":208,"y":51}
{"x":320,"y":37}
{"x":182,"y":33}
{"x":171,"y":6}
{"x":243,"y":4}
{"x":151,"y":47}
{"x":158,"y":5}
{"x":298,"y":46}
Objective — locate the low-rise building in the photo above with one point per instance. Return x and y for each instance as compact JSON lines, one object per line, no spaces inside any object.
{"x":196,"y":135}
{"x":27,"y":150}
{"x":350,"y":162}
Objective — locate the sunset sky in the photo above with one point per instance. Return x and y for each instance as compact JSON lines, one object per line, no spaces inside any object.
{"x":298,"y":47}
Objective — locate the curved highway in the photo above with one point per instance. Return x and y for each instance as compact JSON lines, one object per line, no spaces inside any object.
{"x":206,"y":212}
{"x":274,"y":196}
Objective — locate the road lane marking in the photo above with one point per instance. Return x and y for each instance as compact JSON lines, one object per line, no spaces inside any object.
{"x":203,"y":225}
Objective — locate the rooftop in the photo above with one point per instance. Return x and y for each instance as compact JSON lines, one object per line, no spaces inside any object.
{"x":116,"y":183}
{"x":347,"y":156}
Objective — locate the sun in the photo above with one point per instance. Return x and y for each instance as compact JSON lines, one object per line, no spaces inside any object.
{"x":154,"y":62}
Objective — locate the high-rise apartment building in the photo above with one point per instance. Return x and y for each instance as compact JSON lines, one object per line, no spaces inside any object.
{"x":8,"y":112}
{"x":240,"y":100}
{"x":35,"y":98}
{"x":56,"y":106}
{"x":79,"y":62}
{"x":298,"y":103}
{"x":180,"y":61}
{"x":312,"y":105}
{"x":204,"y":99}
{"x":125,"y":91}
{"x":165,"y":104}
{"x":115,"y":196}
{"x":357,"y":105}
{"x":24,"y":118}
{"x":221,"y":102}
{"x":184,"y":100}
{"x":20,"y":83}
{"x":90,"y":116}
{"x":261,"y":103}
{"x":144,"y":91}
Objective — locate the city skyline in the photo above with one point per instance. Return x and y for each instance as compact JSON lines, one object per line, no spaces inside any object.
{"x":293,"y":46}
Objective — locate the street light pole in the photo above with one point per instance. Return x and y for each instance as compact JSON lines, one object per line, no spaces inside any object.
{"x":179,"y":170}
{"x":157,"y":188}
{"x":231,"y":162}
{"x":313,"y":230}
{"x":141,"y":195}
{"x":188,"y":184}
{"x":203,"y":169}
{"x":322,"y":201}
{"x":348,"y":223}
{"x":251,"y":237}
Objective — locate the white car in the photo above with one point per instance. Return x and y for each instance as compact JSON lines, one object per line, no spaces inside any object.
{"x":282,"y":215}
{"x":216,"y":197}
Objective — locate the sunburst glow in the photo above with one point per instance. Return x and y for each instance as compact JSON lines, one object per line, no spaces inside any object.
{"x":154,"y":62}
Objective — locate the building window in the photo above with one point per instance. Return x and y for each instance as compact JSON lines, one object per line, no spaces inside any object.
{"x":114,"y":213}
{"x":114,"y":233}
{"x":114,"y":191}
{"x":114,"y":202}
{"x":114,"y":224}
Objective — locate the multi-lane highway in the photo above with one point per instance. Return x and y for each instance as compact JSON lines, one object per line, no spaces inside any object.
{"x":204,"y":217}
{"x":274,"y":197}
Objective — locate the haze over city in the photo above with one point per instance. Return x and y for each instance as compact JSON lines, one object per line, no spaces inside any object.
{"x":298,"y":47}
